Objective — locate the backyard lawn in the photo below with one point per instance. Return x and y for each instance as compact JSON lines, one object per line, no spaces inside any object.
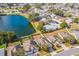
{"x":3,"y":46}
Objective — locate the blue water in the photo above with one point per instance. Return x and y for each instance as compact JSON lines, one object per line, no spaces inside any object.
{"x":17,"y":24}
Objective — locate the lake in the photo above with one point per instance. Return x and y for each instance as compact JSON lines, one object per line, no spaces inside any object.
{"x":20,"y":25}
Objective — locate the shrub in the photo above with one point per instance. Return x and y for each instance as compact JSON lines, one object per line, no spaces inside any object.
{"x":78,"y":42}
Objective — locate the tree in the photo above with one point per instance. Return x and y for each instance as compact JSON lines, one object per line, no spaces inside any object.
{"x":33,"y":17}
{"x":10,"y":36}
{"x":78,"y":42}
{"x":26,"y":7}
{"x":64,"y":25}
{"x":10,"y":5}
{"x":76,"y":20}
{"x":67,"y":14}
{"x":38,"y":5}
{"x":66,"y":40}
{"x":58,"y":12}
{"x":6,"y":37}
{"x":71,"y":5}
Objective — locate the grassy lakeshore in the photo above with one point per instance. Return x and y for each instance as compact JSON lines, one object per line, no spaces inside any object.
{"x":34,"y":24}
{"x":25,"y":15}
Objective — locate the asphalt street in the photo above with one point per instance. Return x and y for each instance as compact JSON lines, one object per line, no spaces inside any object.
{"x":68,"y":52}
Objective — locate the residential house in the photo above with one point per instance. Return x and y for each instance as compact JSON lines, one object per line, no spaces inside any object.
{"x":51,"y":26}
{"x":2,"y":52}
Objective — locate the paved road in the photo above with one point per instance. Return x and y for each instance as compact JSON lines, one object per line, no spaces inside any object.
{"x":68,"y":52}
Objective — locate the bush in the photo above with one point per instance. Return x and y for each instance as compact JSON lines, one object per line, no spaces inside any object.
{"x":78,"y":42}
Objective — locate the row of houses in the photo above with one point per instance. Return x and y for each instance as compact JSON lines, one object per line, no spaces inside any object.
{"x":48,"y":42}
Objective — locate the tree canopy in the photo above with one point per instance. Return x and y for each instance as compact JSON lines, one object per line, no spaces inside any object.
{"x":6,"y":37}
{"x":58,"y":12}
{"x":76,"y":20}
{"x":64,"y":24}
{"x":33,"y":16}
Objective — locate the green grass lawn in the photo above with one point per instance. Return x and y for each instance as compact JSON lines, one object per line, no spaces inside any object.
{"x":16,"y":43}
{"x":3,"y":46}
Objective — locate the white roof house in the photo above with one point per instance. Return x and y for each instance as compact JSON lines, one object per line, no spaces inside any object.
{"x":2,"y":52}
{"x":51,"y":26}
